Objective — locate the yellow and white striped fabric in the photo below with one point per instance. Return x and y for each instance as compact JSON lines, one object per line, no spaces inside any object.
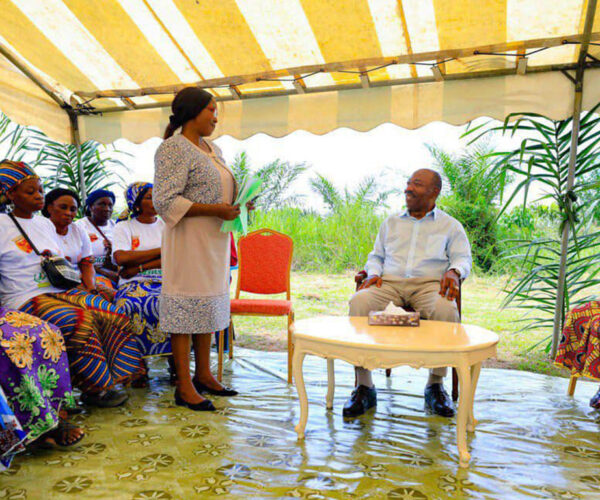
{"x":249,"y":51}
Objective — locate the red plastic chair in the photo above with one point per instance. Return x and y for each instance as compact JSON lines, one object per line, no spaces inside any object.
{"x":265,"y":261}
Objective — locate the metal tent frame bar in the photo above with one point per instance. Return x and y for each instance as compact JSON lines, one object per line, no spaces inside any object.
{"x":559,"y":312}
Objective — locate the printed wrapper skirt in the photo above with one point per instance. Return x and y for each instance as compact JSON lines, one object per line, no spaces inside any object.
{"x":35,"y":380}
{"x":579,"y":348}
{"x":139,"y":300}
{"x":101,"y":346}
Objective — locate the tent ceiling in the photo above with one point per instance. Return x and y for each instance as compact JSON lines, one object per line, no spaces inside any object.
{"x":117,"y":55}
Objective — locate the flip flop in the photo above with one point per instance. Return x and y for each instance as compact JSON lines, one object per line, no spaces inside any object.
{"x":59,"y":436}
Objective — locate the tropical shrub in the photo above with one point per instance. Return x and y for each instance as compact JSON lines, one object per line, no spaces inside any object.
{"x":542,"y":159}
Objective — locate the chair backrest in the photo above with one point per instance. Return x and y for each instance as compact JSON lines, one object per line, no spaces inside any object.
{"x":265,"y":260}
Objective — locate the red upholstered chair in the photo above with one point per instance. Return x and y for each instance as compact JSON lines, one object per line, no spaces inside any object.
{"x":362,"y":275}
{"x":265,"y":261}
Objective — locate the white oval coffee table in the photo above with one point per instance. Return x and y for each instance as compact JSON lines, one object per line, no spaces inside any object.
{"x":432,"y":344}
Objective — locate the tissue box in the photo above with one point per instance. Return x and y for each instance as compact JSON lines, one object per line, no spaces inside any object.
{"x":381,"y":318}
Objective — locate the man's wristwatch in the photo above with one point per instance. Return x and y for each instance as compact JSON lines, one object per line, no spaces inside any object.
{"x":456,"y":271}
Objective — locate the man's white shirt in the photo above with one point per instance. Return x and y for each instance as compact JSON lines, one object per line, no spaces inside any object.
{"x":406,"y":247}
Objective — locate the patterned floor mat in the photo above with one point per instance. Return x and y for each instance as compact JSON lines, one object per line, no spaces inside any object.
{"x":532,"y":442}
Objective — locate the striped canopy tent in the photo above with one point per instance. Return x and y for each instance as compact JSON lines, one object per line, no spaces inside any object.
{"x":106,"y":69}
{"x":277,"y":66}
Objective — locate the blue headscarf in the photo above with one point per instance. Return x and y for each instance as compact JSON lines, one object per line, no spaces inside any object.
{"x":94,"y":196}
{"x":133,"y":196}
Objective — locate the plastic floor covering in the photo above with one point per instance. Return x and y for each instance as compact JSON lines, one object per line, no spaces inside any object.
{"x":532,"y":441}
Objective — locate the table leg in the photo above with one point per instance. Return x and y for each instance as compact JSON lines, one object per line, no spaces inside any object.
{"x":297,"y":362}
{"x":464,"y":404}
{"x":475,"y":370}
{"x":330,"y":383}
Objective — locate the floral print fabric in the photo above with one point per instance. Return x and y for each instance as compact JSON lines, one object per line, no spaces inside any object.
{"x":34,"y":378}
{"x":139,"y":301}
{"x":102,"y":349}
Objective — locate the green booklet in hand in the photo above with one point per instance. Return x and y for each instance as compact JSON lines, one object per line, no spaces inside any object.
{"x":249,"y":189}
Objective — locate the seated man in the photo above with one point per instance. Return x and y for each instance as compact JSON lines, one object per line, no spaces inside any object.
{"x":418,"y":259}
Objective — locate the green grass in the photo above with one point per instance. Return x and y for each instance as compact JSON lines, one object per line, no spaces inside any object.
{"x":324,"y":243}
{"x":315,"y":294}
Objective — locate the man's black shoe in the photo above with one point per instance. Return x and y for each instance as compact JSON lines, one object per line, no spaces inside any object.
{"x":361,"y":399}
{"x":438,"y":401}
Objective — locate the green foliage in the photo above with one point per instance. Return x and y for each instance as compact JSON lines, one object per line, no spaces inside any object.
{"x":14,"y":140}
{"x":334,"y":242}
{"x":368,"y":192}
{"x":59,"y":162}
{"x":479,"y":221}
{"x":277,"y":177}
{"x":474,"y":192}
{"x":543,"y":159}
{"x":469,"y":174}
{"x":100,"y":170}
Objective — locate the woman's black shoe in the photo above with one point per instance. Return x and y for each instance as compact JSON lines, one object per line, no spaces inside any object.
{"x":205,"y":405}
{"x":226,"y":391}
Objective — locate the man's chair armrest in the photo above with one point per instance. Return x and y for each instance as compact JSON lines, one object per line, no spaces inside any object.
{"x":359,"y":278}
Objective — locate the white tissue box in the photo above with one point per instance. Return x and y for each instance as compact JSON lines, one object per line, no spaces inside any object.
{"x":382,"y":318}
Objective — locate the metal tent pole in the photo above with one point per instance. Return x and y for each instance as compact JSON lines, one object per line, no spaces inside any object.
{"x":76,"y":140}
{"x":562,"y":272}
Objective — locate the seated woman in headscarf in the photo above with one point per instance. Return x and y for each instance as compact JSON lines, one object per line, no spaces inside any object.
{"x":101,"y":346}
{"x":35,"y":386}
{"x":579,"y":349}
{"x":136,"y":249}
{"x":99,"y":226}
{"x":61,"y":206}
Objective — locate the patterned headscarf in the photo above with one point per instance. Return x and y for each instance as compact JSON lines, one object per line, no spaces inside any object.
{"x":133,"y":195}
{"x":13,"y":173}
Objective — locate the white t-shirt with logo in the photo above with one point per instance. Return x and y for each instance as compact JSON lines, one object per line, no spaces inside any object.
{"x":75,"y":245}
{"x":21,"y":275}
{"x":96,"y":239}
{"x":133,"y":235}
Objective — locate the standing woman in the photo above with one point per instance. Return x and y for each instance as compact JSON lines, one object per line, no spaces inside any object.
{"x":99,"y":226}
{"x":136,"y":248}
{"x":193,"y":193}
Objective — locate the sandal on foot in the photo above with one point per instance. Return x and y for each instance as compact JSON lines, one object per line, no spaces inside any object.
{"x":105,"y":399}
{"x":61,"y":436}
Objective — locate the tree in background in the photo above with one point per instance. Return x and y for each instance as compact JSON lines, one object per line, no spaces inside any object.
{"x":368,"y":192}
{"x":57,"y":163}
{"x":15,"y":143}
{"x":543,"y":159}
{"x":471,"y":196}
{"x":99,"y":167}
{"x":277,"y":176}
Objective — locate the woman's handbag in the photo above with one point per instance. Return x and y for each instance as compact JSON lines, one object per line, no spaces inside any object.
{"x":58,"y":270}
{"x":107,"y":263}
